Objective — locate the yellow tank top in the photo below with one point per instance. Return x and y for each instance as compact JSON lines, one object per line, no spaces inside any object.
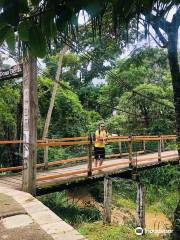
{"x":101,"y":134}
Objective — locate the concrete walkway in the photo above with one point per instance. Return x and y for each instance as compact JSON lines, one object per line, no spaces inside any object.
{"x":24,"y":217}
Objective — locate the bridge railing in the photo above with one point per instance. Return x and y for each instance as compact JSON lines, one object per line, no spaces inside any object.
{"x":45,"y":144}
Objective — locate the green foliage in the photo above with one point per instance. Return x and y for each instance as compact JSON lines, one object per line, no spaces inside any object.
{"x":23,"y":30}
{"x":37,"y":41}
{"x":160,"y":199}
{"x":9,"y":99}
{"x":117,"y":124}
{"x":70,"y":212}
{"x":69,"y":118}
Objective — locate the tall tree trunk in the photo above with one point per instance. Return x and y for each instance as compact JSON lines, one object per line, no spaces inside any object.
{"x":55,"y":87}
{"x":175,"y":73}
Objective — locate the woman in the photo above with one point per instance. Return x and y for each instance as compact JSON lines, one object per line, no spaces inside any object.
{"x":99,"y":146}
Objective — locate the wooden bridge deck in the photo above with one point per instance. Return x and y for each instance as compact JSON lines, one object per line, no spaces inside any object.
{"x":64,"y":176}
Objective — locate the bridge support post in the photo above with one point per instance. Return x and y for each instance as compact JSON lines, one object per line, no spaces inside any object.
{"x":140,"y":208}
{"x":46,"y":149}
{"x":130,"y":151}
{"x":107,"y":199}
{"x":159,"y":149}
{"x":29,"y":124}
{"x":90,"y":156}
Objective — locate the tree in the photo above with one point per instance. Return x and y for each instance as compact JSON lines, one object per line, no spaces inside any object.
{"x":54,"y":91}
{"x":9,"y":100}
{"x":147,"y":117}
{"x":68,"y":117}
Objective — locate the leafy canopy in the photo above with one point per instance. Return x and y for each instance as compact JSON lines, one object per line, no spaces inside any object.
{"x":36,"y":25}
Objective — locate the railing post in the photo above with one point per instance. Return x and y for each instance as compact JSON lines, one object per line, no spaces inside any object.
{"x":90,"y":156}
{"x":120,"y":149}
{"x":46,"y":149}
{"x":130,"y":151}
{"x":144,"y":146}
{"x":159,"y":149}
{"x":162,"y":144}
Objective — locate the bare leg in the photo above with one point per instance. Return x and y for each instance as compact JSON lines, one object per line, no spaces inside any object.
{"x":95,"y":162}
{"x":101,"y":162}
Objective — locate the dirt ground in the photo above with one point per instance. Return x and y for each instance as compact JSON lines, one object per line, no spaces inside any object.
{"x":153,"y":220}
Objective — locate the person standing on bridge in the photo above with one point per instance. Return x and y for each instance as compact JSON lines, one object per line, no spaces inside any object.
{"x":101,"y":136}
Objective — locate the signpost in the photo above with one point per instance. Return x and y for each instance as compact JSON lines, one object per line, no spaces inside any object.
{"x":13,"y":72}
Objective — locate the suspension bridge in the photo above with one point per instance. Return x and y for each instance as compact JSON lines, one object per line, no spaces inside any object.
{"x":63,"y":173}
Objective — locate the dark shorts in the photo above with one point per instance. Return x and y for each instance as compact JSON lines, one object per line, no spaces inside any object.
{"x":99,"y":152}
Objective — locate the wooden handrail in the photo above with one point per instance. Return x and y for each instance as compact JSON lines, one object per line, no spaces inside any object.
{"x":54,"y":144}
{"x":53,"y":163}
{"x":84,"y":140}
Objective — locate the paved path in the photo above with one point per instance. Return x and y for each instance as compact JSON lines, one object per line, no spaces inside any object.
{"x":24,"y":217}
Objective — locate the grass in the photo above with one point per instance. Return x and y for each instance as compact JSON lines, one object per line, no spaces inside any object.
{"x":70,"y":212}
{"x":124,"y":203}
{"x":162,"y":200}
{"x":99,"y":231}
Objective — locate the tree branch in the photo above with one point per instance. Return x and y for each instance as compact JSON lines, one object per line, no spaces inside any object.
{"x":161,"y":46}
{"x":156,"y":24}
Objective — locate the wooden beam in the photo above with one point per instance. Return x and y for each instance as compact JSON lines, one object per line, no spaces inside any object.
{"x":29,"y":123}
{"x":107,"y":199}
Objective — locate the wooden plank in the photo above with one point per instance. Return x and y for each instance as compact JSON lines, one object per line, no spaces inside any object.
{"x":54,"y":144}
{"x":6,"y":169}
{"x":4,"y":142}
{"x":61,"y":175}
{"x":68,"y":139}
{"x":67,"y":160}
